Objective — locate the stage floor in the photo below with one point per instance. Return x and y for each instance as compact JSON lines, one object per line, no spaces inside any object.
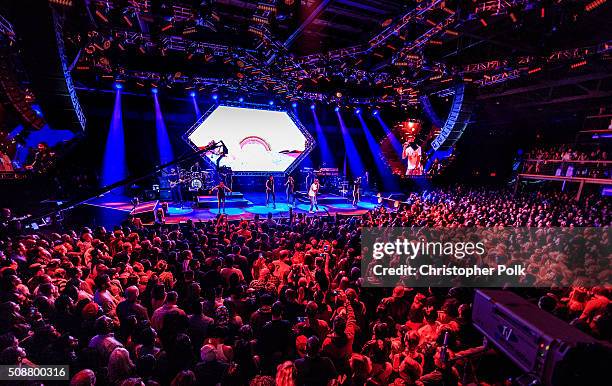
{"x":119,"y":207}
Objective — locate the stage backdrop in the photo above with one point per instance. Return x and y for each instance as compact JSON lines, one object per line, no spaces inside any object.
{"x":258,"y":141}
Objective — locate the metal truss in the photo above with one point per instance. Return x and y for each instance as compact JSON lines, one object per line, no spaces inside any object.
{"x":59,"y":38}
{"x":6,"y":29}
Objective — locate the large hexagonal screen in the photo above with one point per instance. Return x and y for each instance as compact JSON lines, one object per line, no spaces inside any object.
{"x":258,"y":141}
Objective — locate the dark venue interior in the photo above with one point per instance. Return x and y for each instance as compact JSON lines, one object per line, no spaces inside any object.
{"x":305,"y":192}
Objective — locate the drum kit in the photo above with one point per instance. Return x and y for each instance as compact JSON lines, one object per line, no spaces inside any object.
{"x":199,"y":180}
{"x":196,"y":180}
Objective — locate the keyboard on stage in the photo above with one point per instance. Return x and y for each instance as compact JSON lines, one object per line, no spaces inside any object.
{"x":327,"y":172}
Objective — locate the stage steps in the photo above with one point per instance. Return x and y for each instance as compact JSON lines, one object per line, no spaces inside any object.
{"x":234,"y":200}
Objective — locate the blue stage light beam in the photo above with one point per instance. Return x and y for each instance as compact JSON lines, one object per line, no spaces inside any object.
{"x":163,"y":140}
{"x":397,"y":145}
{"x":327,"y":157}
{"x":196,"y":108}
{"x":355,"y":164}
{"x":114,"y":165}
{"x":383,"y":168}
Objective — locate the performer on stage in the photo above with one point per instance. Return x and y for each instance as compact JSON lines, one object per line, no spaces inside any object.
{"x":356,"y":192}
{"x":312,"y":194}
{"x":176,"y":186}
{"x":412,"y":152}
{"x":270,"y":194}
{"x":43,"y":159}
{"x":290,"y":188}
{"x":221,"y":190}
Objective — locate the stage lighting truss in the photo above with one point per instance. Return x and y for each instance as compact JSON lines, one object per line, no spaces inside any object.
{"x":297,"y":125}
{"x":6,"y":29}
{"x":271,"y":66}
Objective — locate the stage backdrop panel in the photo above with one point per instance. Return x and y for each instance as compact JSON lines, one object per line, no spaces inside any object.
{"x":258,"y":141}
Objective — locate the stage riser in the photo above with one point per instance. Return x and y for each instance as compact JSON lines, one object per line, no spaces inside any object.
{"x":230,"y":202}
{"x":234,"y":195}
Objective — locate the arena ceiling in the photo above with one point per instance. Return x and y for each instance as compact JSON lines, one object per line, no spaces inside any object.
{"x":345,"y":52}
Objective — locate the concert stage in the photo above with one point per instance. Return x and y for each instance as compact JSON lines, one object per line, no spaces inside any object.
{"x":240,"y":206}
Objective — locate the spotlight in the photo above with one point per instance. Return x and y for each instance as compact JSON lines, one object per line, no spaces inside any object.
{"x":312,"y":106}
{"x":375,"y":112}
{"x":154,"y":90}
{"x":241,"y":99}
{"x":294,"y":105}
{"x":337,"y":108}
{"x":358,"y":111}
{"x":192,"y":94}
{"x":215,"y":97}
{"x":37,"y":110}
{"x":118,"y":86}
{"x":271,"y":103}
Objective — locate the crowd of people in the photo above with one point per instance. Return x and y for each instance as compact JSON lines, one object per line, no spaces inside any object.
{"x":265,"y":301}
{"x":569,"y":161}
{"x":568,"y":153}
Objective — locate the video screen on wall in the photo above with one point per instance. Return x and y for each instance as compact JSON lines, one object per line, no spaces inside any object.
{"x":257,"y":140}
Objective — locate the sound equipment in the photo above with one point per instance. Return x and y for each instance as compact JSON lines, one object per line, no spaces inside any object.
{"x":165,"y":194}
{"x":52,"y":83}
{"x":146,"y":211}
{"x":539,"y":343}
{"x":457,"y":120}
{"x":151,"y":194}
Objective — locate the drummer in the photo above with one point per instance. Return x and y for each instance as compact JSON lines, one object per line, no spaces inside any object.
{"x":195,"y":168}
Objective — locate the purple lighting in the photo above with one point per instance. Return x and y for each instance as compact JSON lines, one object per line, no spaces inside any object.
{"x":397,"y":146}
{"x":326,"y":154}
{"x":114,"y":165}
{"x":353,"y":158}
{"x":163,"y":141}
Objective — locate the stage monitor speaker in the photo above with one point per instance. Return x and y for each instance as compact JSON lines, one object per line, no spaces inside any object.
{"x":151,"y":194}
{"x":146,"y":211}
{"x":538,"y":342}
{"x":165,"y":194}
